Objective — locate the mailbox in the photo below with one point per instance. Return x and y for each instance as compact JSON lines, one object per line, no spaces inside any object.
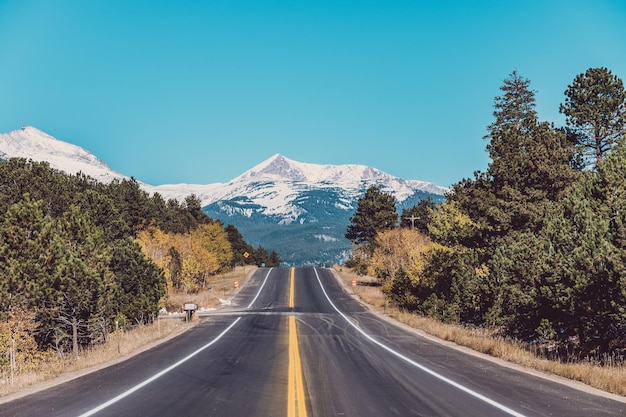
{"x":189,"y":309}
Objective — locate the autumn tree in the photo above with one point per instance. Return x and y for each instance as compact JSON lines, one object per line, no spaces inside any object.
{"x":398,"y":262}
{"x":18,"y":348}
{"x":214,"y":239}
{"x":189,"y":259}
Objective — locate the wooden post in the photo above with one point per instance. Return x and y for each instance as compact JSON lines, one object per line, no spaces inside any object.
{"x":117,"y":335}
{"x":75,"y":336}
{"x":12,"y":358}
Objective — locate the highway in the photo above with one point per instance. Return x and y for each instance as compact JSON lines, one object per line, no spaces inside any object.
{"x":295,"y":343}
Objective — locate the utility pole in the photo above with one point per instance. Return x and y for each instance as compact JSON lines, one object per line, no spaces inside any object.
{"x":413,"y":218}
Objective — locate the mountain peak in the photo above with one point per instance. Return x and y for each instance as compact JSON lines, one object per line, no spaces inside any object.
{"x":31,"y":143}
{"x":277,"y":167}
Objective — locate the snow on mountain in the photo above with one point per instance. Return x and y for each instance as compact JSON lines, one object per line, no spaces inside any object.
{"x":277,"y":187}
{"x":31,"y":143}
{"x":273,"y":187}
{"x":301,"y":210}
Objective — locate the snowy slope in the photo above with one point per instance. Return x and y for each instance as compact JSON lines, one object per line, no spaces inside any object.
{"x":31,"y":143}
{"x":274,"y":187}
{"x":277,"y":187}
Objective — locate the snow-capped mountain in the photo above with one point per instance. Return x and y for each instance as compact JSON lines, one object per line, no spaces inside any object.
{"x":31,"y":143}
{"x":301,"y":210}
{"x":282,"y":189}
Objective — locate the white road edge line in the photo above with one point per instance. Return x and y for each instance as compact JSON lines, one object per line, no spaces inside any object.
{"x":166,"y":370}
{"x":260,"y":289}
{"x":417,"y":365}
{"x":160,"y":374}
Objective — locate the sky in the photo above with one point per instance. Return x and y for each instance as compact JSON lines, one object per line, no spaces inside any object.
{"x":201,"y":91}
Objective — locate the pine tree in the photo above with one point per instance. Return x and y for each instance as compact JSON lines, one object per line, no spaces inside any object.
{"x":376,"y":212}
{"x":595,"y":110}
{"x":492,"y":258}
{"x":239,"y":247}
{"x":274,"y":259}
{"x":140,"y":283}
{"x":27,"y":254}
{"x":83,"y":280}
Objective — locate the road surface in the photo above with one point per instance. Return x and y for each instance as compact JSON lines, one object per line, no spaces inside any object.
{"x":294,"y":343}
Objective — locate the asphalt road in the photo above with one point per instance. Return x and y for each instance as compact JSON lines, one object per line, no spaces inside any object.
{"x":335,"y":359}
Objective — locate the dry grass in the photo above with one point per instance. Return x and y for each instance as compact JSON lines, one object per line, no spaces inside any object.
{"x":124,"y":344}
{"x":608,"y":378}
{"x":222,"y":287}
{"x":119,"y":346}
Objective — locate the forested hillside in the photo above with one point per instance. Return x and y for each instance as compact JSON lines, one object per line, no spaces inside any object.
{"x":535,"y":246}
{"x":78,"y":256}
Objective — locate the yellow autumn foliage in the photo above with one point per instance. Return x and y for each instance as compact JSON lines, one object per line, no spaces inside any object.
{"x":397,"y":248}
{"x":204,"y":251}
{"x":449,"y":224}
{"x":18,"y":349}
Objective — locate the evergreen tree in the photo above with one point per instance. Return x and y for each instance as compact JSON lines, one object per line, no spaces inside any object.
{"x":132,"y":202}
{"x":196,"y":216}
{"x":502,"y":209}
{"x":376,"y":212}
{"x":28,"y":255}
{"x":19,"y":176}
{"x":175,"y":220}
{"x":140,"y":283}
{"x":274,"y":259}
{"x":595,"y":110}
{"x":103,"y":212}
{"x":239,"y":247}
{"x":175,"y":267}
{"x":83,"y":281}
{"x":531,"y":161}
{"x":261,"y":256}
{"x":587,"y":263}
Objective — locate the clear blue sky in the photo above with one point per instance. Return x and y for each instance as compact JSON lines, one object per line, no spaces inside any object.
{"x":200,"y":91}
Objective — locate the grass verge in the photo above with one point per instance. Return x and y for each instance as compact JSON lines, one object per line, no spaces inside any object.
{"x":611,"y":379}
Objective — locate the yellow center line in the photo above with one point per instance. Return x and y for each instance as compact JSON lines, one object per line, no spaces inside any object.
{"x":296,"y":405}
{"x":292,"y":288}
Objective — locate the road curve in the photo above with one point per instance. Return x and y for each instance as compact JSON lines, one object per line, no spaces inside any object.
{"x":241,"y":361}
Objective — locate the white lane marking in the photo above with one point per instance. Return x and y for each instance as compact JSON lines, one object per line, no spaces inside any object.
{"x":259,"y":292}
{"x":160,"y":374}
{"x":417,"y":365}
{"x":166,"y":370}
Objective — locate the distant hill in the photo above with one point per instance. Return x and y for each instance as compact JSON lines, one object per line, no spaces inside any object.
{"x":300,"y":210}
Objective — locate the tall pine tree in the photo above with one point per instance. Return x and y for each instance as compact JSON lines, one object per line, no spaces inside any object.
{"x":375,"y":212}
{"x":595,"y":110}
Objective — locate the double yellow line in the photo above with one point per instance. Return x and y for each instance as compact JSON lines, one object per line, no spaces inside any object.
{"x":296,"y":405}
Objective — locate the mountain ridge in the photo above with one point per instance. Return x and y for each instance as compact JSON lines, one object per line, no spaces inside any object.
{"x":279,"y":203}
